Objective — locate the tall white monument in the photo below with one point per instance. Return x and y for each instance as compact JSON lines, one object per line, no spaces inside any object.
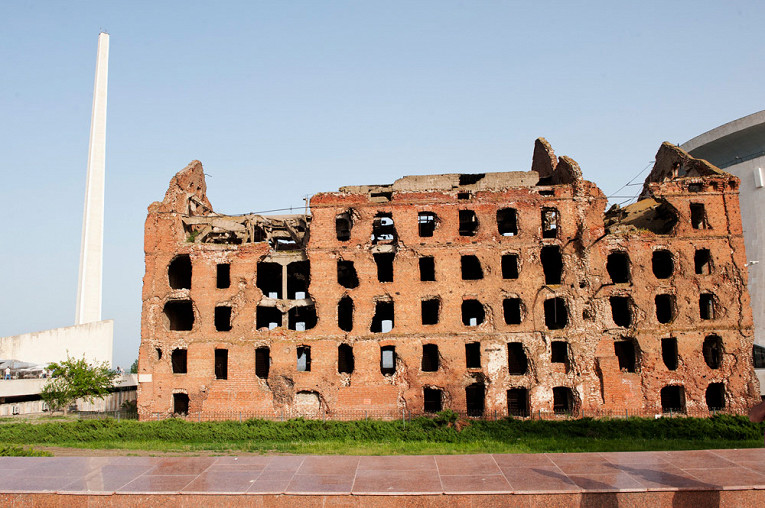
{"x":91,"y":251}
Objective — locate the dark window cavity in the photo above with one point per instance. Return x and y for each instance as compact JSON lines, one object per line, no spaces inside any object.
{"x":301,"y":318}
{"x":383,"y":229}
{"x":429,"y":357}
{"x":304,"y":358}
{"x":159,"y":353}
{"x":473,"y":313}
{"x":669,"y":353}
{"x":715,"y":396}
{"x":665,"y":308}
{"x":517,"y":362}
{"x":513,"y":310}
{"x":463,"y":195}
{"x":426,"y":223}
{"x":510,"y":266}
{"x":388,"y":360}
{"x":223,"y":276}
{"x":179,"y":272}
{"x":298,"y":278}
{"x":559,"y":351}
{"x":221,"y":364}
{"x":383,"y":320}
{"x":178,"y":361}
{"x":475,"y":396}
{"x":698,"y":216}
{"x":268,"y":317}
{"x":432,"y":400}
{"x":556,"y":313}
{"x":223,"y":318}
{"x":618,"y":267}
{"x":703,"y":261}
{"x":345,"y":314}
{"x":518,"y":402}
{"x":707,"y":306}
{"x":345,"y":361}
{"x":473,"y":355}
{"x":346,"y":274}
{"x":343,"y":225}
{"x":471,"y":268}
{"x":384,"y":262}
{"x":269,"y":279}
{"x":262,"y":362}
{"x":713,"y":350}
{"x":468,"y":223}
{"x":427,"y":268}
{"x":662,"y":263}
{"x":626,"y":354}
{"x":430,"y":309}
{"x":471,"y":179}
{"x":552,"y":264}
{"x":550,"y":223}
{"x":507,"y":222}
{"x":621,"y":310}
{"x":673,"y":399}
{"x":180,"y":404}
{"x":563,"y":400}
{"x":179,"y":315}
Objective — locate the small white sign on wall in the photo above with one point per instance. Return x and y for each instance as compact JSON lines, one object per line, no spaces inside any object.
{"x":758,"y":177}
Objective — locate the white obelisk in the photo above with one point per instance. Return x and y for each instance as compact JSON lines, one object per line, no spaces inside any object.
{"x":91,"y":251}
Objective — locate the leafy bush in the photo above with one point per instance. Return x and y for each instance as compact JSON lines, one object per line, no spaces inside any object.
{"x":18,"y":451}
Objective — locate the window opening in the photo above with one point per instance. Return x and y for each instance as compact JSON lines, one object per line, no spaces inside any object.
{"x":715,"y":396}
{"x":471,"y":268}
{"x":556,"y":313}
{"x":703,"y":261}
{"x":513,"y":310}
{"x":699,"y":216}
{"x":473,"y":313}
{"x":180,"y":404}
{"x":471,"y":179}
{"x":507,"y":222}
{"x":346,"y":274}
{"x":430,"y":309}
{"x":383,"y":229}
{"x":223,"y":318}
{"x":665,"y":308}
{"x":268,"y":317}
{"x":179,"y":272}
{"x":298,"y":278}
{"x":475,"y":395}
{"x":552,"y":264}
{"x":713,"y":350}
{"x":301,"y":318}
{"x":625,"y":353}
{"x":223,"y":276}
{"x":380,"y":197}
{"x":427,"y":268}
{"x":345,"y":314}
{"x":178,"y":361}
{"x":159,"y":353}
{"x":304,"y":359}
{"x":179,"y":315}
{"x":345,"y":362}
{"x":383,"y":320}
{"x":343,"y":226}
{"x":707,"y":306}
{"x":621,"y":310}
{"x":563,"y":400}
{"x":669,"y":353}
{"x":384,"y":262}
{"x":463,"y":195}
{"x":473,"y":355}
{"x":559,"y":351}
{"x":517,"y":362}
{"x":758,"y":356}
{"x":388,"y":360}
{"x":221,"y":364}
{"x":673,"y":399}
{"x":262,"y":362}
{"x":432,"y":400}
{"x":662,"y":264}
{"x":510,"y":266}
{"x":618,"y":267}
{"x":429,"y":357}
{"x":518,"y":402}
{"x":549,"y":223}
{"x":426,"y":223}
{"x":269,"y":279}
{"x":468,"y":223}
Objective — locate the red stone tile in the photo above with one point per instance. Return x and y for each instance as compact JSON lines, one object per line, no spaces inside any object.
{"x":697,"y":459}
{"x":331,"y":464}
{"x":475,"y":484}
{"x":539,"y":479}
{"x":158,"y":483}
{"x":284,"y":463}
{"x":606,"y":482}
{"x":397,"y":482}
{"x":522,"y":460}
{"x":467,"y":465}
{"x":742,"y":455}
{"x":233,"y":482}
{"x":182,"y":466}
{"x":398,"y":463}
{"x":106,"y":479}
{"x":320,"y":484}
{"x":635,"y":457}
{"x":33,"y":483}
{"x":729,"y":478}
{"x":668,"y":479}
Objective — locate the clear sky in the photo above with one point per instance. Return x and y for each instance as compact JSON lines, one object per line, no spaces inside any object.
{"x":280,"y":100}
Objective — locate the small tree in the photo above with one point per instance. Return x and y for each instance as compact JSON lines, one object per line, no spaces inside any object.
{"x":134,"y":367}
{"x":74,"y":379}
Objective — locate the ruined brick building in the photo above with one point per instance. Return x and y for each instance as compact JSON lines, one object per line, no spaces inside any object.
{"x":510,"y":292}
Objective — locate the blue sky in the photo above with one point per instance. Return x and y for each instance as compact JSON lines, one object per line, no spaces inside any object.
{"x":280,"y":100}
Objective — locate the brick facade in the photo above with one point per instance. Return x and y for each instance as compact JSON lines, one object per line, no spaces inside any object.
{"x":502,"y":291}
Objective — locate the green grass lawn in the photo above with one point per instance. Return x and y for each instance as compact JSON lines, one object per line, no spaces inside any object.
{"x":420,"y":436}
